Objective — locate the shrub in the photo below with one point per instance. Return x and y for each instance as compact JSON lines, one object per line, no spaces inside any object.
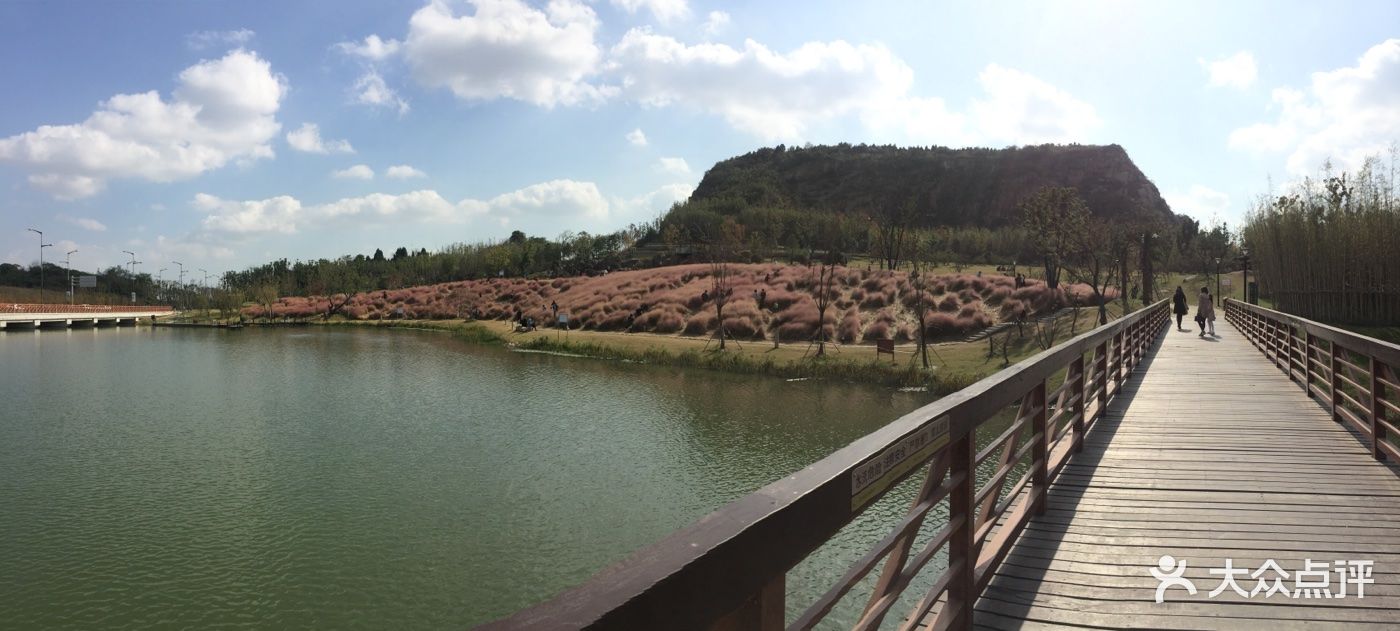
{"x":878,"y":330}
{"x":850,"y":327}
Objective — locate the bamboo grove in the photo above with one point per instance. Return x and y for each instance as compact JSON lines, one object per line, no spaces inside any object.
{"x":1328,"y":249}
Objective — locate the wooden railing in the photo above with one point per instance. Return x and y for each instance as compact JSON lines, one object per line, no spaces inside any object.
{"x":727,"y":570}
{"x":1352,"y":375}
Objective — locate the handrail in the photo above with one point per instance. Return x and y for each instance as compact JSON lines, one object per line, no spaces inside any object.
{"x":1353,"y":376}
{"x":62,"y":308}
{"x":727,"y":570}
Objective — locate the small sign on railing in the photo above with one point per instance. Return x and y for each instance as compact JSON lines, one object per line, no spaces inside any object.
{"x":875,"y":475}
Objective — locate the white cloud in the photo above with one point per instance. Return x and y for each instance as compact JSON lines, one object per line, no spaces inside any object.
{"x":422,"y":206}
{"x":236,"y":220}
{"x":549,"y":57}
{"x":1015,"y":108}
{"x":918,"y":121}
{"x":674,"y":166}
{"x":759,"y":91}
{"x":1236,"y":71}
{"x":665,"y":11}
{"x":208,"y":39}
{"x":85,"y":223}
{"x":715,"y":23}
{"x":647,"y":206}
{"x":1200,"y":202}
{"x":275,"y":215}
{"x":403,"y":172}
{"x":507,"y":49}
{"x":308,"y":138}
{"x":1021,"y":109}
{"x":357,"y":172}
{"x":555,"y":198}
{"x":371,"y":90}
{"x":1346,"y":114}
{"x":372,"y":48}
{"x":232,"y":221}
{"x":637,"y":138}
{"x":222,"y":110}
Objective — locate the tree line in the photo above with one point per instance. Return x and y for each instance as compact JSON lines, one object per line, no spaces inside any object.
{"x":1326,"y":248}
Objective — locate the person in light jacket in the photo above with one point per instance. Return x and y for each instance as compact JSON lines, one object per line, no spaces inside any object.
{"x":1205,"y":312}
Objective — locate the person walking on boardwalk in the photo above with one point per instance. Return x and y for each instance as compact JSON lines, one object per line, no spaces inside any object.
{"x":1179,"y":306}
{"x":1205,"y":312}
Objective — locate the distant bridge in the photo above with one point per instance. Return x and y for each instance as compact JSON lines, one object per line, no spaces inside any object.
{"x":1138,"y":460}
{"x":30,"y":316}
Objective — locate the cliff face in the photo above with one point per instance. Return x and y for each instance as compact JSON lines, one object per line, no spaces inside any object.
{"x":950,"y":187}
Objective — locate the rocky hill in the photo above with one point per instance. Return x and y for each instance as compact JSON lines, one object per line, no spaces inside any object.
{"x":951,"y":187}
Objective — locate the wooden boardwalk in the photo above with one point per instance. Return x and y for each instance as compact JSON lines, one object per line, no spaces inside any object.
{"x":1209,"y":453}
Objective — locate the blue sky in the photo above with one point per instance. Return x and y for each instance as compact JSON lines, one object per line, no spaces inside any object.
{"x":224,"y":134}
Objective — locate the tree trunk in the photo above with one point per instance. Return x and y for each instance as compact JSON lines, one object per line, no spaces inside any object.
{"x":923,"y":342}
{"x":1149,"y":293}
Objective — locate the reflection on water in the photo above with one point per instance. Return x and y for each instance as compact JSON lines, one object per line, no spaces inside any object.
{"x":353,"y":478}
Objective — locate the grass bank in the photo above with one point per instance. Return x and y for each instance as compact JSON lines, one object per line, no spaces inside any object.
{"x":756,"y":358}
{"x":956,"y":364}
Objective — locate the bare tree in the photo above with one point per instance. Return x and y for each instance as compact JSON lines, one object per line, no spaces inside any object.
{"x":893,"y":223}
{"x":1055,"y":217}
{"x":920,"y":252}
{"x":265,"y":294}
{"x":1099,"y":253}
{"x":823,"y":293}
{"x":731,"y":235}
{"x":338,"y":282}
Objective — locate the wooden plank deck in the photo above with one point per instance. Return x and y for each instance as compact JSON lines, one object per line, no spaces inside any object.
{"x":1210,"y":453}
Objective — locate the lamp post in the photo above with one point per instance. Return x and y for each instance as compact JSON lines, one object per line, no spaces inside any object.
{"x":1244,"y":265}
{"x":133,"y":263}
{"x":68,"y":270}
{"x":180,"y":284}
{"x":160,"y":284}
{"x":1217,"y":281}
{"x":42,"y":245}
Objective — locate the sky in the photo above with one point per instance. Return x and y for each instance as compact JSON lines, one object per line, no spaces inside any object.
{"x":225,"y":134}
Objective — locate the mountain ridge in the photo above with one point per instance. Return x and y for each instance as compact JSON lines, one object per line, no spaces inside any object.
{"x":950,"y":187}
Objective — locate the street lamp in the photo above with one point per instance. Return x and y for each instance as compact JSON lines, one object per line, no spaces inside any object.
{"x":1244,"y":265}
{"x":1217,"y":280}
{"x":160,"y":284}
{"x":133,"y":263}
{"x":42,"y":245}
{"x":180,"y":284}
{"x":68,"y":269}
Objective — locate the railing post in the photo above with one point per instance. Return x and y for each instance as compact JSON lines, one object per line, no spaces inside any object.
{"x":1377,"y":410}
{"x":1118,"y":361}
{"x":1040,"y":476}
{"x":1307,"y":363}
{"x":962,"y":554}
{"x":1332,"y":378}
{"x":1292,"y":344}
{"x":1101,"y":366}
{"x":1077,"y":395}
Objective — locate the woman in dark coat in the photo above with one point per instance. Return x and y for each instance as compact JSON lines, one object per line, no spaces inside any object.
{"x":1179,"y":306}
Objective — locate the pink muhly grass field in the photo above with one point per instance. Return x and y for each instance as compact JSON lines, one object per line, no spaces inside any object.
{"x":866,"y":306}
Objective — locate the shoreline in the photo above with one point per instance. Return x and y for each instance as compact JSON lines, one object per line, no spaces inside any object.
{"x":752,"y":357}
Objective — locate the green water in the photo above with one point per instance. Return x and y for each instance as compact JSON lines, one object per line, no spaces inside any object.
{"x":370,"y":479}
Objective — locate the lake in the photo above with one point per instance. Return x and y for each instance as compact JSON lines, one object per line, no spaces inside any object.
{"x":354,"y":478}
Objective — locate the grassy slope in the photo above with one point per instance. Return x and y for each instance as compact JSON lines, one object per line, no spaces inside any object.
{"x":956,"y":364}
